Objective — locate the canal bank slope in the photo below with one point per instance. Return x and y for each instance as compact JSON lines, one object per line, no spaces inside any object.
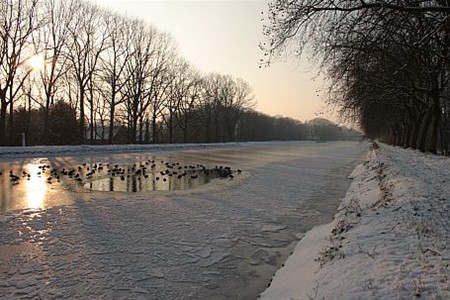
{"x":389,"y":239}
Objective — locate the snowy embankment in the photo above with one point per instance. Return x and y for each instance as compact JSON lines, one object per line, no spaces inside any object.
{"x":389,"y":240}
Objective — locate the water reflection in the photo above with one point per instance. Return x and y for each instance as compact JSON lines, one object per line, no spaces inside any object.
{"x":41,"y":183}
{"x":151,"y":182}
{"x":149,"y":176}
{"x":36,"y":187}
{"x":29,"y":185}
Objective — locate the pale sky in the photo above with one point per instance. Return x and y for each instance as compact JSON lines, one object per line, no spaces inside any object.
{"x":223,"y":36}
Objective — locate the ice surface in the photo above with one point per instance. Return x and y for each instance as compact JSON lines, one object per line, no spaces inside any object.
{"x":199,"y":244}
{"x":272,"y":228}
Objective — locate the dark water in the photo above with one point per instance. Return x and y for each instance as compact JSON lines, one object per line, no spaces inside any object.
{"x":151,"y":176}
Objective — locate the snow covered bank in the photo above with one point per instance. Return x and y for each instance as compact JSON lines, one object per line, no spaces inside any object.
{"x":389,"y":240}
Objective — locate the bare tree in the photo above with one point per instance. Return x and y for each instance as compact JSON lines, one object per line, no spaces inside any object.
{"x":177,"y":93}
{"x":72,"y":59}
{"x":18,"y":22}
{"x":162,"y":76}
{"x":114,"y":62}
{"x":300,"y":22}
{"x":402,"y":46}
{"x":210,"y":104}
{"x":224,"y":100}
{"x":87,"y":42}
{"x":139,"y":74}
{"x":188,"y":100}
{"x":241,"y":100}
{"x":403,"y":70}
{"x":50,"y":42}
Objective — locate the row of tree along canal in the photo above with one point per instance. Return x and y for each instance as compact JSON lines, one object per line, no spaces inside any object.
{"x":387,"y":62}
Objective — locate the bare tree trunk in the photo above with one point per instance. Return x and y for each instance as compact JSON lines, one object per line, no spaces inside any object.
{"x":28,"y":126}
{"x":133,"y":128}
{"x":414,"y":134}
{"x":3,"y":110}
{"x":216,"y":128}
{"x":185,"y":135}
{"x":147,"y":131}
{"x":424,"y":131}
{"x":435,"y":122}
{"x":154,"y":136}
{"x":81,"y":124}
{"x":91,"y":112}
{"x":208,"y":128}
{"x":11,"y":122}
{"x":46,"y":138}
{"x":111,"y":125}
{"x":406,"y":133}
{"x":170,"y":127}
{"x":141,"y":130}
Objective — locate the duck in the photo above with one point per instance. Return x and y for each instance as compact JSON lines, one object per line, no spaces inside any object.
{"x":14,"y":178}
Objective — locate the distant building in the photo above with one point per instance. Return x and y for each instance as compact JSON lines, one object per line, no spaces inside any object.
{"x":101,"y":135}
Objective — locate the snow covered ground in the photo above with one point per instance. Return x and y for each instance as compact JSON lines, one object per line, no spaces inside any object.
{"x":223,"y":240}
{"x":389,"y":240}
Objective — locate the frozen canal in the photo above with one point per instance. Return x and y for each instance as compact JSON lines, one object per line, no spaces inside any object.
{"x":219,"y":240}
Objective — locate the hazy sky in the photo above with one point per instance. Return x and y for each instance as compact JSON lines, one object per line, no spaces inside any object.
{"x":223,"y":36}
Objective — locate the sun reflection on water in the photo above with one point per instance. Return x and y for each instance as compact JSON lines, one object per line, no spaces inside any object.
{"x":36,"y":188}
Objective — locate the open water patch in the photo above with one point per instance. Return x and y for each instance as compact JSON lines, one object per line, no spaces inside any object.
{"x":40,"y":183}
{"x":147,"y":176}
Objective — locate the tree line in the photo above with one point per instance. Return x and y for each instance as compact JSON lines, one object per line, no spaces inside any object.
{"x":107,"y":72}
{"x":252,"y":126}
{"x":74,"y":62}
{"x":72,"y":72}
{"x":387,"y":62}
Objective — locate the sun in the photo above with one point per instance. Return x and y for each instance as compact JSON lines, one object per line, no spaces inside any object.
{"x":36,"y":62}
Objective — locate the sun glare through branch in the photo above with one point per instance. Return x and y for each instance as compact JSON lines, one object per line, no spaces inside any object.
{"x":37,"y":62}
